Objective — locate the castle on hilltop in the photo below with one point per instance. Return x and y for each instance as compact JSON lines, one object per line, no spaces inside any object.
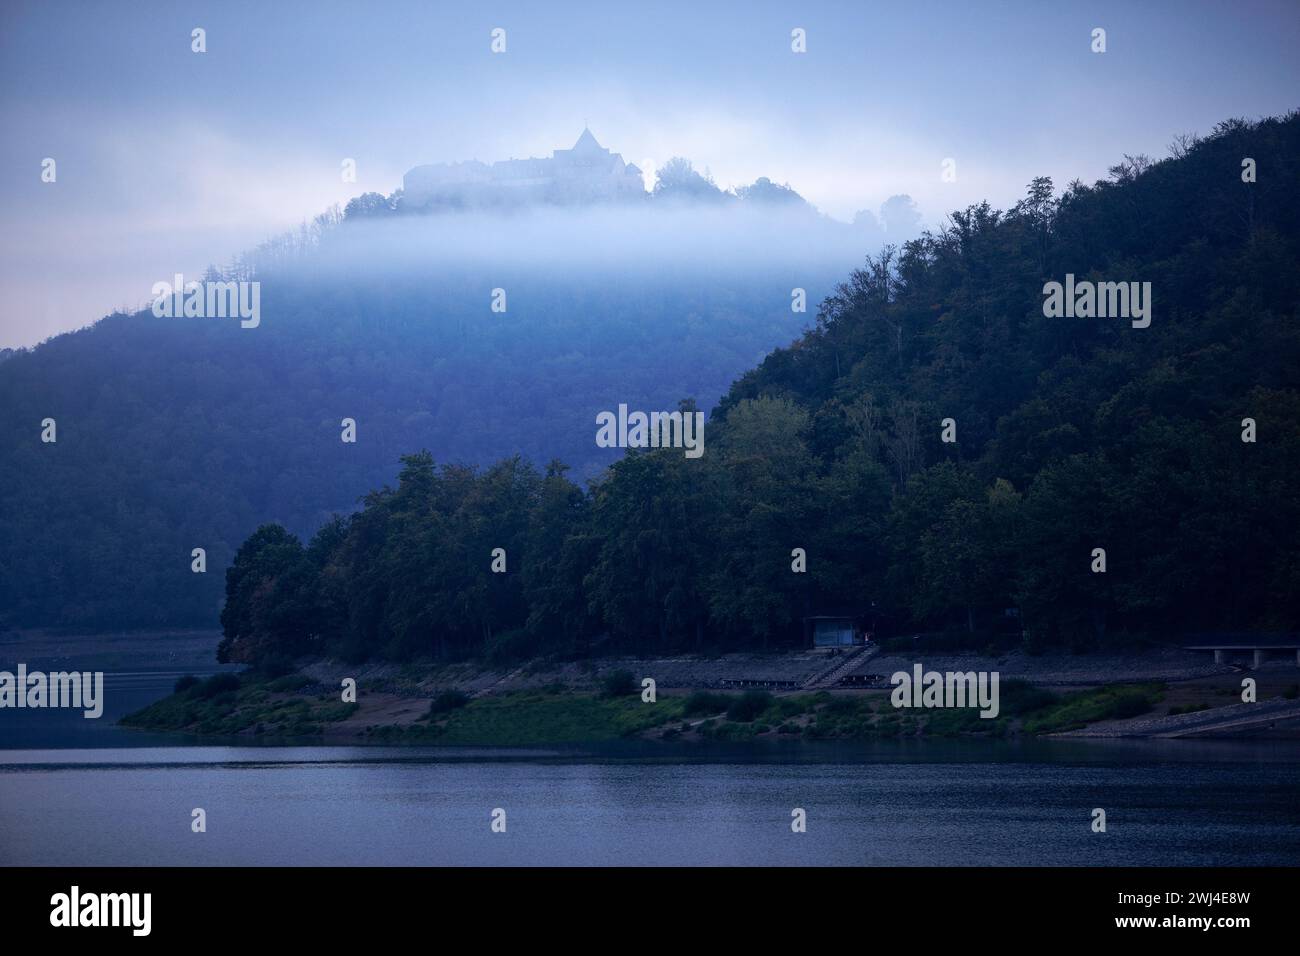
{"x":586,"y":173}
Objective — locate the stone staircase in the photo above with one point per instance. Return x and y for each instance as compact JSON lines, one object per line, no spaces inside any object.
{"x":841,"y":667}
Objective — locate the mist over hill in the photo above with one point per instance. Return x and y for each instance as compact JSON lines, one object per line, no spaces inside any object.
{"x":188,"y":432}
{"x":939,"y":450}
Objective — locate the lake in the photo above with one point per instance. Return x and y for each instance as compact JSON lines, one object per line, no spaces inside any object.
{"x":81,"y":792}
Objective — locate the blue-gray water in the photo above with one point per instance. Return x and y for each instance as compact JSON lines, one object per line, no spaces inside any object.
{"x":116,"y":799}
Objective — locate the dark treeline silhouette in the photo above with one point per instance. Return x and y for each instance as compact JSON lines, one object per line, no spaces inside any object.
{"x":1072,"y":435}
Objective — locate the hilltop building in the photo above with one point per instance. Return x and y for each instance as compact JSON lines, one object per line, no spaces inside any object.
{"x":586,"y":173}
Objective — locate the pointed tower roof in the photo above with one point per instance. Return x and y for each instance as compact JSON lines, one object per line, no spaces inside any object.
{"x":586,"y":142}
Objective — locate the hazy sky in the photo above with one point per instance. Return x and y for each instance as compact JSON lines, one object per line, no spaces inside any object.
{"x":169,"y":160}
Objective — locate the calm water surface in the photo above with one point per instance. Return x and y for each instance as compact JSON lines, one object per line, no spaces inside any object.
{"x":91,"y":794}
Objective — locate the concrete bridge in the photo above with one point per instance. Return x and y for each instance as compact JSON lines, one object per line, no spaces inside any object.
{"x":1259,"y":648}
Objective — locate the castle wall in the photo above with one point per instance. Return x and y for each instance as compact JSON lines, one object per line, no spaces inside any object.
{"x":585,"y":173}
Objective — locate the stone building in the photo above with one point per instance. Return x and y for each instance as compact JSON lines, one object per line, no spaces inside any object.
{"x":586,"y":173}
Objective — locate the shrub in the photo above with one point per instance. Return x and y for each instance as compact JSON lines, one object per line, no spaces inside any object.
{"x":276,"y":665}
{"x":705,"y":702}
{"x":789,"y":706}
{"x":1129,"y":703}
{"x":749,"y":705}
{"x":618,"y":684}
{"x":184,"y":683}
{"x":447,"y":701}
{"x":217,"y":684}
{"x":288,"y":683}
{"x":1018,"y":696}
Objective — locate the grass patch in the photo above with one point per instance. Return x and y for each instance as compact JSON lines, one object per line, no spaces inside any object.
{"x":1075,"y":711}
{"x":531,"y":717}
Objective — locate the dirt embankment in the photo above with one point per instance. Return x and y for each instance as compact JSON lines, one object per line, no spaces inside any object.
{"x":1204,"y":697}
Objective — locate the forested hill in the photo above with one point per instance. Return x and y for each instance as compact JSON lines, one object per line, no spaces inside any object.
{"x":1082,"y":433}
{"x":180,"y":433}
{"x":1110,"y":480}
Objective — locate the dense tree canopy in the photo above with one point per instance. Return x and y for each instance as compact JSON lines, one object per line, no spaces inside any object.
{"x":1071,"y":435}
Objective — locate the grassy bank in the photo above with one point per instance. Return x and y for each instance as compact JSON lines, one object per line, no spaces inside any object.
{"x":295,"y":707}
{"x":551,"y":716}
{"x":230,"y":704}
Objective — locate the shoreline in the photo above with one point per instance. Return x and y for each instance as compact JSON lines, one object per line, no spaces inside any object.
{"x":736,"y":698}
